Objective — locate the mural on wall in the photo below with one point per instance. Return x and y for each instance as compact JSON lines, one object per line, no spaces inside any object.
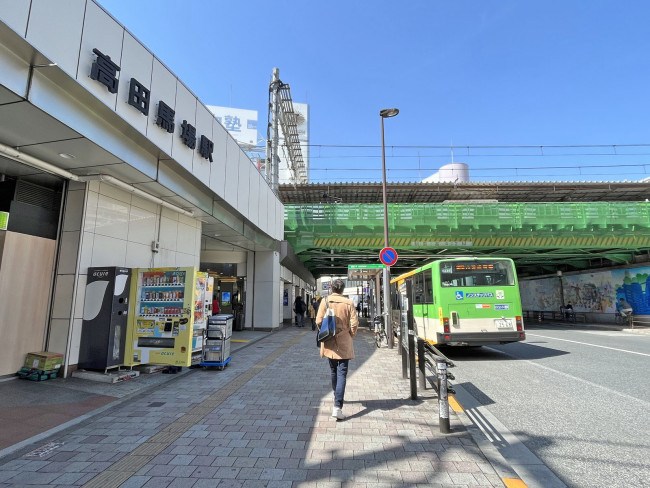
{"x":590,"y":292}
{"x":541,"y":294}
{"x":635,"y":288}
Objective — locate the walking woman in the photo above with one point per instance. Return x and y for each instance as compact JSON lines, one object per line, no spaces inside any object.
{"x":311,"y":311}
{"x":340,"y":349}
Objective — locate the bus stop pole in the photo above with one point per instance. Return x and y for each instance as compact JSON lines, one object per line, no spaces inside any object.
{"x":402,"y":343}
{"x":411,"y":342}
{"x":377,"y":296}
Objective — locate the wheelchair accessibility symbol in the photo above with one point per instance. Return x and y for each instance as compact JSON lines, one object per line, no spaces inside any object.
{"x":459,"y":295}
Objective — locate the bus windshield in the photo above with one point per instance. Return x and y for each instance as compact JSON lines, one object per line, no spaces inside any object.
{"x":476,"y":273}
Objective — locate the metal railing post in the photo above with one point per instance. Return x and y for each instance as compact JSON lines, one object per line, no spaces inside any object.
{"x":422,"y":364}
{"x":405,"y":361}
{"x":443,"y":400}
{"x":411,"y":342}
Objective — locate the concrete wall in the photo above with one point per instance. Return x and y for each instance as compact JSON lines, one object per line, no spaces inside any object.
{"x":105,"y":226}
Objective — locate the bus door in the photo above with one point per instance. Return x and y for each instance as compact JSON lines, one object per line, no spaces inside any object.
{"x":424,"y":313}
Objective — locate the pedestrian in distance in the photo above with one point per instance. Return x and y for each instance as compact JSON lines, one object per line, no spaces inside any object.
{"x":624,"y":307}
{"x":568,"y":310}
{"x":339,"y":349}
{"x":311,"y":311}
{"x":215,"y":305}
{"x":299,"y":309}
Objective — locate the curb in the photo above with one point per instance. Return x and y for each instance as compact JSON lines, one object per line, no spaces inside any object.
{"x":517,"y":466}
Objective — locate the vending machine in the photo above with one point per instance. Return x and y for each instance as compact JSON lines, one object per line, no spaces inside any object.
{"x":163,"y":316}
{"x":201,"y":292}
{"x":103,"y":332}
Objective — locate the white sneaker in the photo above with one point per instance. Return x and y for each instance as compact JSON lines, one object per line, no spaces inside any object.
{"x":337,"y":413}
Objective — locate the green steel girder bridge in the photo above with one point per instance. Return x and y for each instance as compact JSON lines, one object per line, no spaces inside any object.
{"x":541,"y":237}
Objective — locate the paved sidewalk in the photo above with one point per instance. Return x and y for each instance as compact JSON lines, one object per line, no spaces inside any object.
{"x":263,"y":421}
{"x":29,"y":409}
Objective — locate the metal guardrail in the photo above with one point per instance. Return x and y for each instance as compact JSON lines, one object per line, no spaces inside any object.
{"x":438,"y":364}
{"x":428,"y":357}
{"x":641,"y":321}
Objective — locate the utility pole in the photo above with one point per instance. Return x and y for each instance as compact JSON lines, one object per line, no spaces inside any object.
{"x":275,"y":123}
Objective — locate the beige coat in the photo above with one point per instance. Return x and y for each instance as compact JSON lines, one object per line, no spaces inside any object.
{"x":347,"y":323}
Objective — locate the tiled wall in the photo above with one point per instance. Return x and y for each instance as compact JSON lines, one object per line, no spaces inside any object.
{"x":106,"y":226}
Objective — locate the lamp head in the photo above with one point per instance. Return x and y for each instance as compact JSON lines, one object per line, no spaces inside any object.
{"x":388,"y":112}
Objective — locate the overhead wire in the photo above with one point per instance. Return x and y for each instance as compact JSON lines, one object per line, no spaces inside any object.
{"x":584,"y":168}
{"x":537,"y":146}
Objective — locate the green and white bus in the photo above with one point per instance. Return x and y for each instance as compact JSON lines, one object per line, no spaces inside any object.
{"x":465,"y":301}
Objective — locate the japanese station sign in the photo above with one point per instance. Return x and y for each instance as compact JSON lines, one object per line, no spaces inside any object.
{"x":105,"y":71}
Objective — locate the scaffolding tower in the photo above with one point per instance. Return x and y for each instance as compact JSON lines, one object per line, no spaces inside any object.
{"x":281,"y":116}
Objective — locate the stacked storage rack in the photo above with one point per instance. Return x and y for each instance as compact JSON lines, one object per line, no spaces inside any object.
{"x":216,"y":344}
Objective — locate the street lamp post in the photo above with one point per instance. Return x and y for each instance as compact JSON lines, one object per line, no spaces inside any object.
{"x":385,"y":113}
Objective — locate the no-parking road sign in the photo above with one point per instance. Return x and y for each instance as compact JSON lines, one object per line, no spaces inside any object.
{"x":388,"y":256}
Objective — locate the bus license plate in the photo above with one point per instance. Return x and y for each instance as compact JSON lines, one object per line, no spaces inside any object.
{"x":503,"y":323}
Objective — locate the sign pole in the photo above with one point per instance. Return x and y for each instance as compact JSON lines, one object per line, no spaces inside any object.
{"x":388,"y":324}
{"x":388,"y":256}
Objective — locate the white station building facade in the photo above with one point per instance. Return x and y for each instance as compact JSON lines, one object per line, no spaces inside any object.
{"x":108,"y":159}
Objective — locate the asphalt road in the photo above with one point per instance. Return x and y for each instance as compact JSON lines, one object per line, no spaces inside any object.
{"x":578,"y":398}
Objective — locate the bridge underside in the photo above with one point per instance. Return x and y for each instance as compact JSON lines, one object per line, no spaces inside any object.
{"x":540,"y":237}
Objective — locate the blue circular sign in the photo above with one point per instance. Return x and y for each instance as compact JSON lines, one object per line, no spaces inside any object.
{"x":388,"y":256}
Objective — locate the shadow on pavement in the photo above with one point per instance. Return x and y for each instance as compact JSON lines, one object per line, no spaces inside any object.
{"x":385,"y":404}
{"x":511,"y":352}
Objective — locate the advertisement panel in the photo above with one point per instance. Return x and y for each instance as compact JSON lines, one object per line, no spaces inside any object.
{"x":240,"y":123}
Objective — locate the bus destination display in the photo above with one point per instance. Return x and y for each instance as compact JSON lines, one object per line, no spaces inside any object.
{"x":474,"y":267}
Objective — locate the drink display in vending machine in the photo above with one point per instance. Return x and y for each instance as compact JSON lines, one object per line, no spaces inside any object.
{"x":161,"y":319}
{"x":200,"y":315}
{"x":209,"y":292}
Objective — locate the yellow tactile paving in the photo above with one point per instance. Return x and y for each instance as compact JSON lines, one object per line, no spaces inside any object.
{"x":514,"y":483}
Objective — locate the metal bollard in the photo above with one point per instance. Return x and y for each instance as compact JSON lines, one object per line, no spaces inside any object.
{"x":405,"y":361}
{"x":422,"y":364}
{"x":443,"y":400}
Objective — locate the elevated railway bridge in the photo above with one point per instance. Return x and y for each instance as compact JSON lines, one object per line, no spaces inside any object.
{"x":544,"y":227}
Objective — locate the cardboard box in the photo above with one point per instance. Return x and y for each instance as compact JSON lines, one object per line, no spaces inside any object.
{"x":45,"y":361}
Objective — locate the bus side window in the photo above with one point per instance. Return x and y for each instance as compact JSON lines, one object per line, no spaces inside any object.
{"x":418,"y":288}
{"x":428,"y":286}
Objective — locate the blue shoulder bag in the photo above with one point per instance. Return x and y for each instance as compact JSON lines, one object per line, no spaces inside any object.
{"x":328,"y":326}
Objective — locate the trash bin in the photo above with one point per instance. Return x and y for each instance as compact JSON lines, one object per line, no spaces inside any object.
{"x":239,"y":321}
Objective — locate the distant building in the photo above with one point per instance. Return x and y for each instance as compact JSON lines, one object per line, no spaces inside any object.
{"x":453,"y":172}
{"x":240,"y":123}
{"x":302,"y":109}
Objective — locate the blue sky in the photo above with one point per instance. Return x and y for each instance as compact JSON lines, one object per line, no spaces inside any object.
{"x":468,"y":72}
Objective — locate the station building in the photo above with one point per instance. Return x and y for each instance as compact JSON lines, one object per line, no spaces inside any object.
{"x":108,"y":159}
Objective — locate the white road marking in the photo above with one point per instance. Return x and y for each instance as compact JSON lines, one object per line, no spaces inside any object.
{"x":588,"y":344}
{"x":590,"y":383}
